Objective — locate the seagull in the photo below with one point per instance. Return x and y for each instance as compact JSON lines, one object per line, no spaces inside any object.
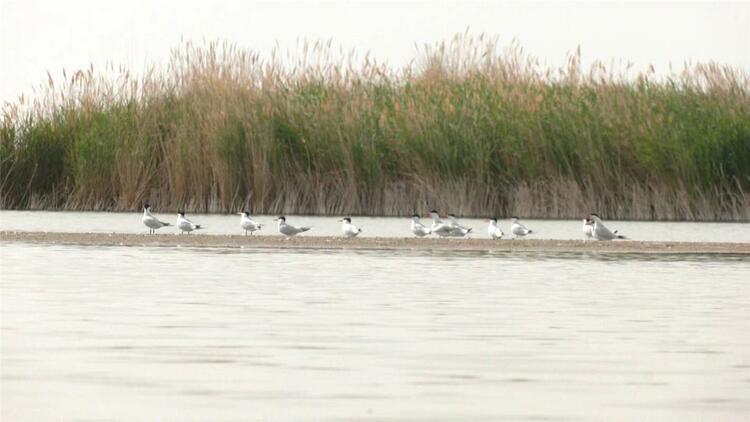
{"x":248,"y":224}
{"x":349,"y":229}
{"x":184,"y":224}
{"x":288,"y":229}
{"x":600,"y":231}
{"x":418,"y":228}
{"x":494,"y":230}
{"x":150,"y":221}
{"x":518,"y":229}
{"x":588,"y":228}
{"x":457,"y":229}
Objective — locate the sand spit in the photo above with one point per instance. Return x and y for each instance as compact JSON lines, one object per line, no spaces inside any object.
{"x":372,"y":243}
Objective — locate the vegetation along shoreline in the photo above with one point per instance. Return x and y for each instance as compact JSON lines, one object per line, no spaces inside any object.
{"x":464,"y":127}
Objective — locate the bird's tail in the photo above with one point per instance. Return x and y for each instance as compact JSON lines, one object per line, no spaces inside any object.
{"x":198,"y":227}
{"x":619,"y":236}
{"x":469,"y":230}
{"x":304,"y":229}
{"x":166,"y":224}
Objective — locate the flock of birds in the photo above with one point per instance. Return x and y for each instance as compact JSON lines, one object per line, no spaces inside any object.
{"x":593,"y":228}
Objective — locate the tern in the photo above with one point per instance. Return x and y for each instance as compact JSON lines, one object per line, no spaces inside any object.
{"x":600,"y":231}
{"x":447,"y":229}
{"x":458,"y":229}
{"x":518,"y":229}
{"x":588,"y":229}
{"x":494,"y":230}
{"x":150,"y":221}
{"x":185,"y":225}
{"x":248,"y":224}
{"x":418,"y":228}
{"x":288,"y":229}
{"x":439,"y":227}
{"x":349,"y":229}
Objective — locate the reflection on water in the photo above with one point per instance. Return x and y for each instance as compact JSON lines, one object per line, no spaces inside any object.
{"x":106,"y":222}
{"x":214,"y":334}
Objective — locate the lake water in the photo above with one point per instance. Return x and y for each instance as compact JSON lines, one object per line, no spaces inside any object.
{"x":132,"y":333}
{"x":105,"y":222}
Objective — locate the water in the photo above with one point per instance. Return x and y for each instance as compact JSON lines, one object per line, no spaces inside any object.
{"x":130,"y":333}
{"x":104,"y":222}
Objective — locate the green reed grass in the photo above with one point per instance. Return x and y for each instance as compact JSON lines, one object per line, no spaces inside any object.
{"x":464,"y":128}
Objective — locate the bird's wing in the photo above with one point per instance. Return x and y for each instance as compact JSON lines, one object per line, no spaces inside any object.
{"x":604,"y":231}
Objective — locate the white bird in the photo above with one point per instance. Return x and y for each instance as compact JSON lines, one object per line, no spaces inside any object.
{"x":600,"y":231}
{"x":457,"y":229}
{"x":185,"y":225}
{"x":418,"y":228}
{"x":349,"y":229}
{"x":588,"y":228}
{"x":150,"y":221}
{"x":248,"y":224}
{"x":288,"y":229}
{"x":494,"y":230}
{"x":518,"y":229}
{"x":439,"y":227}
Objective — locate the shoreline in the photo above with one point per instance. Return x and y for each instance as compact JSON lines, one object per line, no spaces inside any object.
{"x":372,"y":243}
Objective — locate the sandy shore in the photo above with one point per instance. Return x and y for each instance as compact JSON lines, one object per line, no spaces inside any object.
{"x":223,"y":241}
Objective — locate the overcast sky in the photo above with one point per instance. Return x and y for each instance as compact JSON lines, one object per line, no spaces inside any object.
{"x":51,"y":35}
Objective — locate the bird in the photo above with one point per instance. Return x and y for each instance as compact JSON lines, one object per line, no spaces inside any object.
{"x":588,"y":228}
{"x":438,"y":226}
{"x":600,"y":231}
{"x":185,"y":225}
{"x":150,"y":221}
{"x":418,"y":228}
{"x":494,"y":230}
{"x":457,"y":229}
{"x":349,"y":229}
{"x":248,"y":224}
{"x":288,"y":229}
{"x":518,"y":229}
{"x":447,"y":229}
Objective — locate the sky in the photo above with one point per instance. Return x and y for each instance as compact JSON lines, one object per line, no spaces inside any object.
{"x":40,"y":36}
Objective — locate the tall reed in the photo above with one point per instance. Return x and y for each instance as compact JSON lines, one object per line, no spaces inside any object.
{"x":466,"y":127}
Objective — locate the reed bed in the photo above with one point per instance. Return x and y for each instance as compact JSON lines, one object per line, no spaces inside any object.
{"x":467,"y":127}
